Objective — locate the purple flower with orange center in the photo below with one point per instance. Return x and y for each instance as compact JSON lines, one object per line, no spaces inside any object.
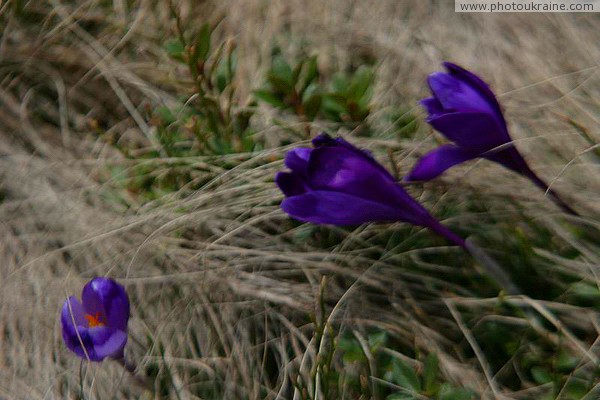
{"x":336,"y":183}
{"x":96,"y":327}
{"x":465,"y":110}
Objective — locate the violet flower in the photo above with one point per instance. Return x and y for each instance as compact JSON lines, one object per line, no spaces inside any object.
{"x":465,"y":110}
{"x":96,"y":328}
{"x":336,"y":183}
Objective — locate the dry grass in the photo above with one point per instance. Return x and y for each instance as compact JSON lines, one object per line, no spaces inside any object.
{"x":219,"y":282}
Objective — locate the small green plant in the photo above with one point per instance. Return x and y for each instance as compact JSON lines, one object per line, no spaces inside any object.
{"x":295,"y":88}
{"x":207,"y":121}
{"x":396,"y":379}
{"x":426,"y":383}
{"x":348,"y":99}
{"x":344,"y":98}
{"x":211,"y":120}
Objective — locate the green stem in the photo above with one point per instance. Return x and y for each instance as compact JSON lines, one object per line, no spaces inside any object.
{"x":490,"y":266}
{"x":554,"y":196}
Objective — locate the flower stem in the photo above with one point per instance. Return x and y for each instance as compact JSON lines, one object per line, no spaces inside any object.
{"x":131,"y":368}
{"x":81,"y":380}
{"x":554,"y":196}
{"x":490,"y":266}
{"x":447,"y":233}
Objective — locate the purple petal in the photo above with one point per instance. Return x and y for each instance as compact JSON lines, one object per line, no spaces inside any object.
{"x":477,"y":132}
{"x":107,"y":297}
{"x":297,"y":159}
{"x":325,"y":207}
{"x":118,"y":312}
{"x":432,"y":106}
{"x":344,"y":170}
{"x":72,"y":310}
{"x":290,"y":183}
{"x":96,"y":343}
{"x":93,"y":300}
{"x":107,"y":342}
{"x":75,"y":337}
{"x":475,"y":82}
{"x":324,"y":140}
{"x":437,"y":161}
{"x":456,"y":95}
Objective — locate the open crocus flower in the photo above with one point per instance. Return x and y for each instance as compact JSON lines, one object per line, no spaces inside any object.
{"x":96,"y":327}
{"x":465,"y":110}
{"x":336,"y":183}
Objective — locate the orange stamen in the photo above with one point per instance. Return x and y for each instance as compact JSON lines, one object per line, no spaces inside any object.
{"x":94,"y":320}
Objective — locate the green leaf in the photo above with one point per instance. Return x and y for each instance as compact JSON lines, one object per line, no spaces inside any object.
{"x":232,"y":63}
{"x":403,"y":375}
{"x":400,"y":396}
{"x":241,"y":122}
{"x":447,"y":392}
{"x":357,"y":112}
{"x":269,"y":98}
{"x":310,"y":91}
{"x":334,"y":105}
{"x":577,"y":389}
{"x":432,"y":368}
{"x":248,"y":144}
{"x":225,"y":71}
{"x":282,"y":71}
{"x":541,"y":375}
{"x":166,"y":115}
{"x":202,"y":45}
{"x":566,"y":362}
{"x":351,"y":349}
{"x":586,"y":290}
{"x":221,"y":82}
{"x":312,"y":106}
{"x":361,"y":82}
{"x":339,"y":83}
{"x":376,"y":340}
{"x":281,"y":85}
{"x":175,"y":49}
{"x":296,"y":72}
{"x":309,"y":74}
{"x":311,"y":70}
{"x":311,"y":101}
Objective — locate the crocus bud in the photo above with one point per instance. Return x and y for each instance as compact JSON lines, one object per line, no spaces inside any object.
{"x":336,"y":183}
{"x":465,"y":110}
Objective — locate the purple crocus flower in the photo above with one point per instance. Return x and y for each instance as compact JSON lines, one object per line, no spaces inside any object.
{"x":336,"y":183}
{"x":464,"y":109}
{"x":96,"y":327}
